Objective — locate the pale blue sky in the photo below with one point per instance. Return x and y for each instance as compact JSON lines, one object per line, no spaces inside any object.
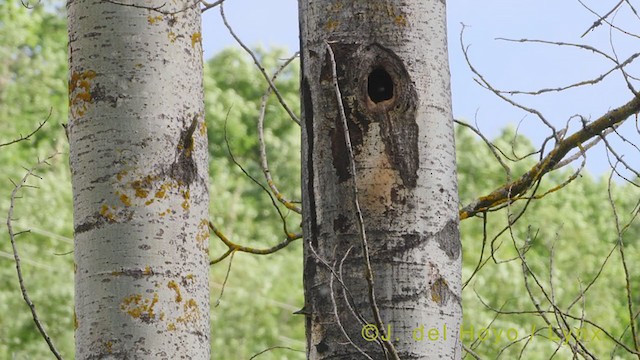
{"x":508,"y":66}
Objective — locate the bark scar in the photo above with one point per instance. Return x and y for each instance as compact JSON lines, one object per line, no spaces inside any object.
{"x":184,"y":169}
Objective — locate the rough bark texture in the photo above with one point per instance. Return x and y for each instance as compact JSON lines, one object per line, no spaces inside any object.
{"x":393,"y":73}
{"x":138,"y":157}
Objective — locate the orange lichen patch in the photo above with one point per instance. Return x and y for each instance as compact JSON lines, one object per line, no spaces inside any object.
{"x":125,"y":200}
{"x":154,"y":19}
{"x":191,"y":312}
{"x":79,"y":91}
{"x":175,"y":287}
{"x":107,"y":212}
{"x":331,"y":25}
{"x":196,"y":38}
{"x":138,"y":307}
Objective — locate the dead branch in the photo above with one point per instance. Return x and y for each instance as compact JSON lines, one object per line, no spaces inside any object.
{"x":12,"y":235}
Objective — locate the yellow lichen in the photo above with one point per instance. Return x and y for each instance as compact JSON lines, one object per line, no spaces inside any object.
{"x":108,"y":346}
{"x":147,"y":270}
{"x":174,"y":286}
{"x":331,"y":25}
{"x":191,"y":312}
{"x":171,"y":327}
{"x":203,"y":234}
{"x":154,"y":19}
{"x":75,"y":321}
{"x":401,"y":20}
{"x":162,"y":192}
{"x":107,"y":212}
{"x":172,"y":36}
{"x":186,"y":196}
{"x":138,"y":307}
{"x":196,"y":38}
{"x":125,"y":200}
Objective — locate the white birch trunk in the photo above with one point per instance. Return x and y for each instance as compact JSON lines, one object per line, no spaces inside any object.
{"x":393,"y":72}
{"x":138,"y":157}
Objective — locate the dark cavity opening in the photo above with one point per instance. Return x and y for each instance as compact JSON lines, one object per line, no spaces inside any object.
{"x":380,"y":85}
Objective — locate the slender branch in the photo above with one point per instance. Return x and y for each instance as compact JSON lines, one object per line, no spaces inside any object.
{"x":260,"y":67}
{"x":263,"y":151}
{"x":25,"y":138}
{"x":12,"y":235}
{"x":233,"y":247}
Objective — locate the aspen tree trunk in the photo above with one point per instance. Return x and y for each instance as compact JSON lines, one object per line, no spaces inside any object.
{"x":139,"y":167}
{"x":393,"y":74}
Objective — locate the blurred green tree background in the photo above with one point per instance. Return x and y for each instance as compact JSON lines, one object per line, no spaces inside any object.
{"x":575,"y":224}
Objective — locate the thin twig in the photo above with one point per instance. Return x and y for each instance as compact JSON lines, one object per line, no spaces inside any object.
{"x":259,"y":66}
{"x":12,"y":235}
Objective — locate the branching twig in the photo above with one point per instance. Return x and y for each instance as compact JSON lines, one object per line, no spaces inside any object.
{"x":233,"y":247}
{"x":260,"y":67}
{"x":17,"y":187}
{"x":549,"y":162}
{"x":25,"y":138}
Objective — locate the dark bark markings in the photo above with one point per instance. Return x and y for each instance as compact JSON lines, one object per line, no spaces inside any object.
{"x":391,"y":102}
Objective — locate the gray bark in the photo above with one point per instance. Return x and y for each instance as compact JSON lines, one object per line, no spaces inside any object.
{"x":393,"y":74}
{"x":138,"y":156}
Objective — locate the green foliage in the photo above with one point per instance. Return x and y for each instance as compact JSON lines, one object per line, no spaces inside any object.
{"x":575,"y":225}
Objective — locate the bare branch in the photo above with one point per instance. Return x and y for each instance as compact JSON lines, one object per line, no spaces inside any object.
{"x":12,"y":235}
{"x":549,"y":162}
{"x":25,"y":138}
{"x":260,"y":67}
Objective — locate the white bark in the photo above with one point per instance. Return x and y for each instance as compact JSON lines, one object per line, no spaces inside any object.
{"x":138,"y":157}
{"x":405,"y":172}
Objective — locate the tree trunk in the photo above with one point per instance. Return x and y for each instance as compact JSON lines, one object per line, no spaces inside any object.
{"x":391,"y":67}
{"x":138,"y":156}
